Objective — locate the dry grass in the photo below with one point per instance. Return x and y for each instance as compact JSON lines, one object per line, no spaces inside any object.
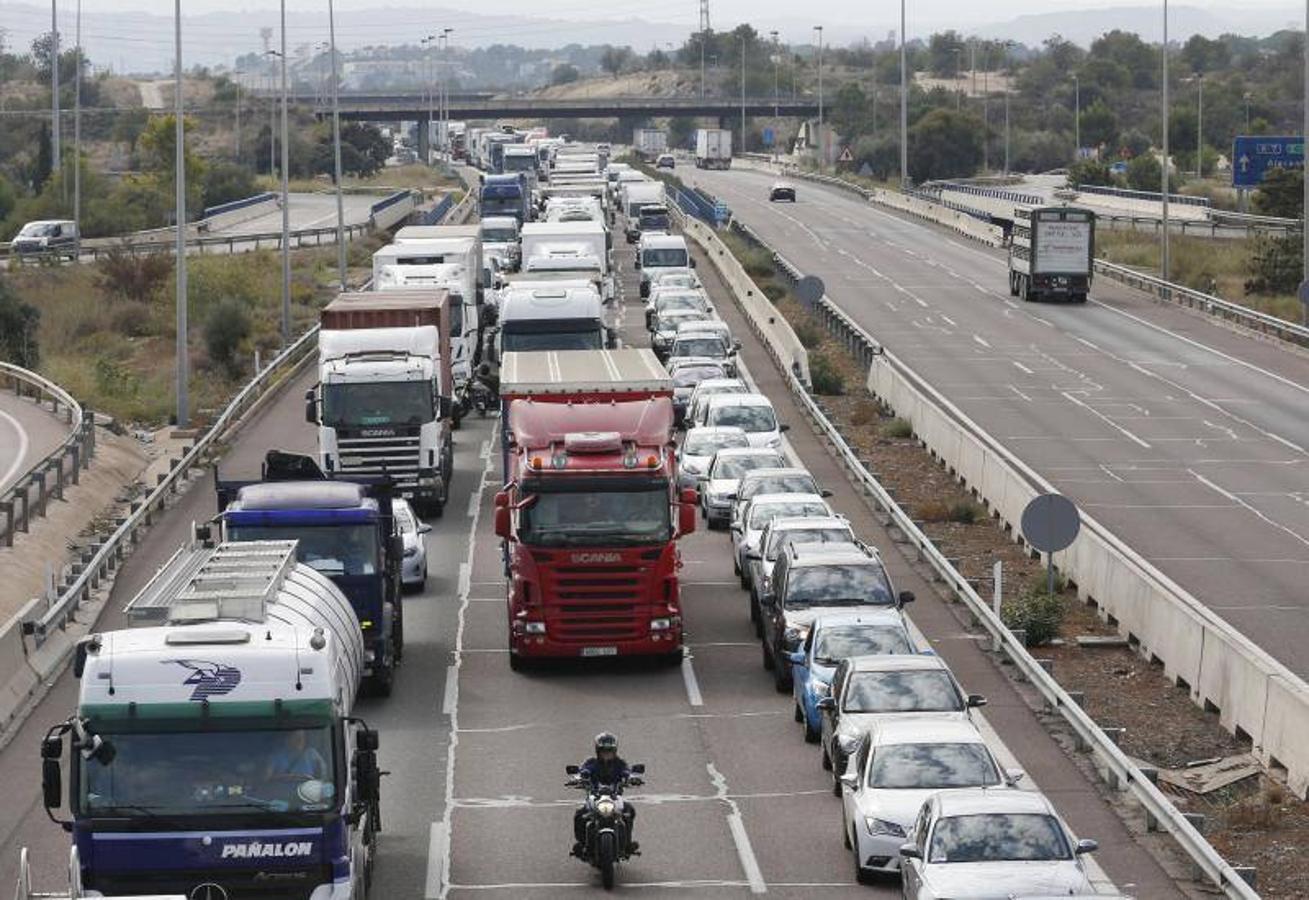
{"x":415,"y":177}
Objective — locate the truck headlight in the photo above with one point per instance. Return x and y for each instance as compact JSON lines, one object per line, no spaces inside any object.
{"x":534,"y":627}
{"x":878,"y":826}
{"x":664,"y":624}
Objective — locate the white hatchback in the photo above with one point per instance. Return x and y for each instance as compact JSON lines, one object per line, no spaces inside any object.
{"x":752,"y":413}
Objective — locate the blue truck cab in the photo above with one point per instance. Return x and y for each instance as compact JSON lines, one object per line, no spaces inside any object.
{"x":346,"y":532}
{"x":506,"y":195}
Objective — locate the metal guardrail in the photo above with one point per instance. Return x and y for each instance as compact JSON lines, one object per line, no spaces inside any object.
{"x":234,"y":205}
{"x":109,"y":554}
{"x":1151,"y":196}
{"x":260,"y":240}
{"x":16,"y":502}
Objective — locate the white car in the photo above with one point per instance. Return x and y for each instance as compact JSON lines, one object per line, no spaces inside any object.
{"x":761,"y":509}
{"x":866,"y":688}
{"x":699,"y":400}
{"x":666,"y":298}
{"x":698,"y":449}
{"x":895,"y":770}
{"x":782,"y":480}
{"x":413,"y":568}
{"x":753,"y":413}
{"x":781,"y":190}
{"x":678,"y":278}
{"x":724,"y":475}
{"x":981,"y":844}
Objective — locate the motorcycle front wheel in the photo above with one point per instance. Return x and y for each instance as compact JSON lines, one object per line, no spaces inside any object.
{"x":606,"y":857}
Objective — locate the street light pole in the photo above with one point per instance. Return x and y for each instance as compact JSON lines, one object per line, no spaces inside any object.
{"x":822,"y":148}
{"x":904,"y":103}
{"x":958,"y":92}
{"x":1164,"y":268}
{"x":272,"y":126}
{"x":179,"y":212}
{"x":336,"y":149}
{"x":1304,"y":213}
{"x":1077,"y":117}
{"x":445,"y":96}
{"x":77,"y":140}
{"x":777,"y":60}
{"x":286,"y":201}
{"x":56,"y":164}
{"x":238,"y":73}
{"x":743,"y":92}
{"x":1199,"y":126}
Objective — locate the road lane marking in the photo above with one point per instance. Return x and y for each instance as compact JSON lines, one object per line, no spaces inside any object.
{"x":466,"y":569}
{"x":451,"y":694}
{"x":948,"y":320}
{"x":1014,"y":388}
{"x":21,"y":456}
{"x":1108,"y":421}
{"x":436,"y":839}
{"x":692,"y":685}
{"x":749,"y":864}
{"x":473,"y":502}
{"x":1249,"y":507}
{"x":1022,"y":368}
{"x":981,"y":340}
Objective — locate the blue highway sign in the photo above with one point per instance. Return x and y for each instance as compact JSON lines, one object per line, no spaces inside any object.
{"x":1253,"y":156}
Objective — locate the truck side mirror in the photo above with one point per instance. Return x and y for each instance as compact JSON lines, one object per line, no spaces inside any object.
{"x":446,"y":408}
{"x":502,"y":522}
{"x":691,"y":260}
{"x":52,"y":781}
{"x":311,"y":408}
{"x":367,"y":740}
{"x":686,"y":515}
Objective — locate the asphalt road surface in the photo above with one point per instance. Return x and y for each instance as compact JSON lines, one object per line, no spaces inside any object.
{"x":1185,"y":438}
{"x":307,"y":211}
{"x":27,"y":433}
{"x":736,"y":803}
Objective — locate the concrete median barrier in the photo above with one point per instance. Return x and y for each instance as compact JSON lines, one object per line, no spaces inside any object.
{"x":226,"y":215}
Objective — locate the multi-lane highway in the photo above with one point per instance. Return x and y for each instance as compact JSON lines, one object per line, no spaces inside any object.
{"x":306,"y":211}
{"x":28,"y":432}
{"x":736,"y":802}
{"x":1185,"y":438}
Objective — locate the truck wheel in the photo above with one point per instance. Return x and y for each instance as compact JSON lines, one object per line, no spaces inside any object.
{"x":1079,"y":298}
{"x":398,"y":632}
{"x":1025,"y":288}
{"x":383,"y":680}
{"x":767,"y":657}
{"x":1013,"y":284}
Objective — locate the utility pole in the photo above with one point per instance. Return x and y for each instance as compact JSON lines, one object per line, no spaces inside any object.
{"x":445,"y":96}
{"x":77,"y":140}
{"x":1199,"y":126}
{"x":1077,"y":117}
{"x":56,"y":163}
{"x":238,"y":73}
{"x":777,"y":61}
{"x":986,"y":110}
{"x":822,"y":142}
{"x":704,"y":39}
{"x":430,"y":90}
{"x":904,"y":103}
{"x":336,"y":149}
{"x":286,"y":199}
{"x":179,"y":212}
{"x":743,"y":93}
{"x":1163,"y":256}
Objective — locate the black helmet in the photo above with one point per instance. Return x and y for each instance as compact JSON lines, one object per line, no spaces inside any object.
{"x":606,"y":741}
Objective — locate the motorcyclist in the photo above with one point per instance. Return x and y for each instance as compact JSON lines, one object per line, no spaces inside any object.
{"x":606,"y":767}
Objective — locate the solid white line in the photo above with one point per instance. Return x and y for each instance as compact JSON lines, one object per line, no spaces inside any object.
{"x":473,"y":501}
{"x":692,"y":685}
{"x":451,"y":699}
{"x":1246,"y":505}
{"x":1022,"y":368}
{"x":1108,"y":421}
{"x":436,"y":839}
{"x":740,"y":838}
{"x":21,"y":457}
{"x":466,"y":569}
{"x":981,"y":340}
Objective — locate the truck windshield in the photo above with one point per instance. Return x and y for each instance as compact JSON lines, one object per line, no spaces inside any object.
{"x":520,"y":163}
{"x":664,"y":258}
{"x":562,"y":334}
{"x":501,"y":206}
{"x":654,"y":221}
{"x":330,"y":549}
{"x":211,"y":772}
{"x":499,"y":235}
{"x":588,"y":514}
{"x":377,"y":403}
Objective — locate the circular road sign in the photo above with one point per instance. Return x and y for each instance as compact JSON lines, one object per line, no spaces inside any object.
{"x":1050,"y":522}
{"x":810,"y":289}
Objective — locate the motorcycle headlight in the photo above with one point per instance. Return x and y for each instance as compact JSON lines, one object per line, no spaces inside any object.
{"x":606,"y":808}
{"x":877,"y":826}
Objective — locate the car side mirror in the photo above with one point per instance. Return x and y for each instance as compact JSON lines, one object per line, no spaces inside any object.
{"x":783,"y":428}
{"x":638,"y":262}
{"x":638,"y":769}
{"x":796,"y":657}
{"x":850,"y":780}
{"x":1086,"y":845}
{"x":572,"y":770}
{"x":367,"y":740}
{"x":910,"y":851}
{"x":424,"y":528}
{"x":736,"y":344}
{"x":828,"y":703}
{"x":906,"y":597}
{"x":692,"y":262}
{"x":825,"y":492}
{"x":976,"y":700}
{"x":52,"y":781}
{"x":1013,"y":776}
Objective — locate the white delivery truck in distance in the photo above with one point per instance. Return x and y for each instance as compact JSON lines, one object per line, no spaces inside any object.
{"x":568,"y":250}
{"x":713,"y":148}
{"x":1052,"y":253}
{"x":649,"y":143}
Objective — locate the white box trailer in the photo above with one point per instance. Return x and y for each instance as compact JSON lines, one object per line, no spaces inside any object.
{"x":649,"y":143}
{"x":1051,"y":253}
{"x":713,"y":148}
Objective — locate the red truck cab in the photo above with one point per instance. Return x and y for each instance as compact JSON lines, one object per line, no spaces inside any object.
{"x":590,"y":511}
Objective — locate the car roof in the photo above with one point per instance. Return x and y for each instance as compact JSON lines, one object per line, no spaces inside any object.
{"x":831,"y":553}
{"x":663,"y":240}
{"x":740,"y":400}
{"x":900,"y":730}
{"x":750,"y":451}
{"x":993,"y":800}
{"x":721,"y":382}
{"x":778,"y":471}
{"x":765,"y":499}
{"x":844,"y":618}
{"x":806,"y":523}
{"x":898,"y":663}
{"x":715,"y":429}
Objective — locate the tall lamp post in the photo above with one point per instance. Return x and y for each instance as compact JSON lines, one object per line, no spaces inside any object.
{"x":445,"y":92}
{"x":179,"y":212}
{"x":904,"y":102}
{"x":822,"y":144}
{"x":430,"y":90}
{"x":77,"y":140}
{"x":286,"y":195}
{"x":777,"y":62}
{"x":237,"y":73}
{"x":336,"y":148}
{"x":1164,"y":267}
{"x":1199,"y":125}
{"x":1077,"y":117}
{"x":743,"y":93}
{"x":958,"y":92}
{"x":56,"y":163}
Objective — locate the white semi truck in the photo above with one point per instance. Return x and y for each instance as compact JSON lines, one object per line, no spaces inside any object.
{"x":713,"y":148}
{"x":649,"y":143}
{"x":1052,"y":253}
{"x":568,"y":250}
{"x":214,"y":740}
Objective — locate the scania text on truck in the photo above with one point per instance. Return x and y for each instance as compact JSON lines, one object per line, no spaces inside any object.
{"x":383,"y":403}
{"x":343,"y":530}
{"x":590,"y":511}
{"x":213,"y":750}
{"x":1051,"y":253}
{"x":713,"y":148}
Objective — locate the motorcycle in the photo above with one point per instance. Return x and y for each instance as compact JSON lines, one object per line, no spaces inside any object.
{"x":483,"y":398}
{"x":607,"y":840}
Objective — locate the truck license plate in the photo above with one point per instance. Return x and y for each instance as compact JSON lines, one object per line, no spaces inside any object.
{"x":599,"y":651}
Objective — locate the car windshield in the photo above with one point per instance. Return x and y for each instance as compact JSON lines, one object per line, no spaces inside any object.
{"x":779,"y":484}
{"x":669,"y":319}
{"x":404,"y":519}
{"x":39,"y":229}
{"x":330,"y":549}
{"x":836,"y":644}
{"x":210,"y":771}
{"x":690,"y":376}
{"x":673,"y":302}
{"x":998,"y":837}
{"x":838,"y":584}
{"x":499,"y":235}
{"x":759,"y":515}
{"x":901,"y":692}
{"x":702,"y":346}
{"x":664,"y":258}
{"x":378,"y":403}
{"x":780,"y":540}
{"x":931,"y":766}
{"x":709,"y":444}
{"x":737,"y":466}
{"x":592,"y":514}
{"x":747,"y":418}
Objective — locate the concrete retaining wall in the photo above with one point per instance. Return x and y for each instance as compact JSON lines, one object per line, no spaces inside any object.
{"x":238,"y":211}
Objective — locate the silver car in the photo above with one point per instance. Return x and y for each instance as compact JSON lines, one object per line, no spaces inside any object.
{"x":413,"y":569}
{"x":698,"y":449}
{"x":724,"y":475}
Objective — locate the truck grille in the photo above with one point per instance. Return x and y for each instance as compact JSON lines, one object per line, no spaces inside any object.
{"x":235,"y":884}
{"x":396,"y":456}
{"x":597,"y":603}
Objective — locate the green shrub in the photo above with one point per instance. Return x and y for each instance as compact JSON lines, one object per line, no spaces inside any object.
{"x":130,"y":276}
{"x":772,"y":290}
{"x":758,"y":263}
{"x":1035,"y":611}
{"x":226,"y":326}
{"x":824,"y":377}
{"x":966,"y":512}
{"x":809,"y":332}
{"x":899,"y":428}
{"x":18,"y":324}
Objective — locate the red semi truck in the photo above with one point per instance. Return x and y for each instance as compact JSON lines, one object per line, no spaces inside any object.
{"x":590,"y":512}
